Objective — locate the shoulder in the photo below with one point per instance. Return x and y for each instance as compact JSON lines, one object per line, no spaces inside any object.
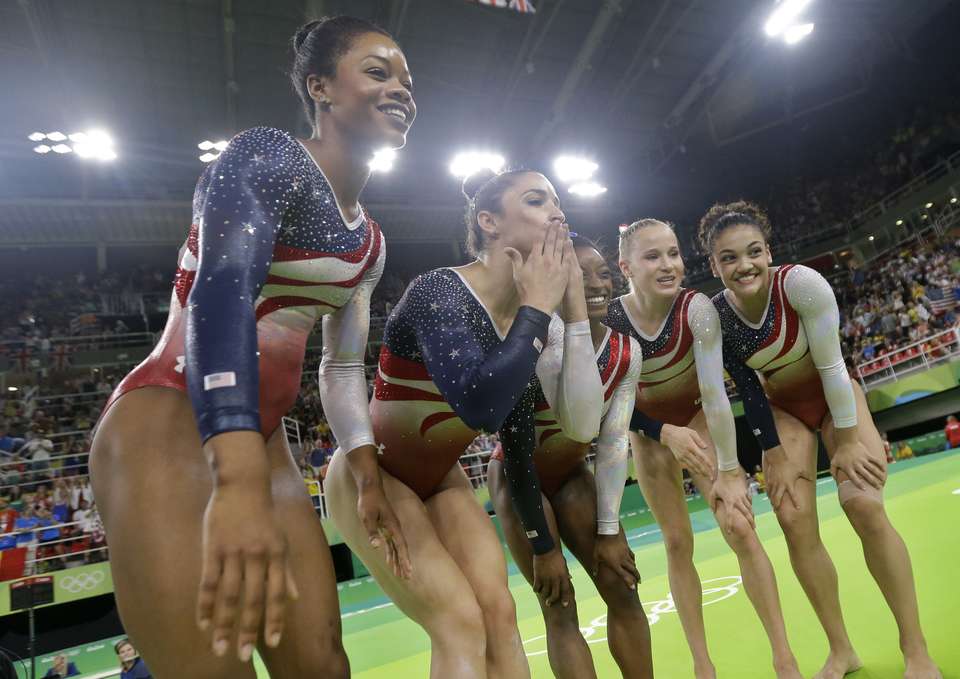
{"x":264,"y":138}
{"x":616,"y":318}
{"x":699,"y":307}
{"x":805,"y":286}
{"x":265,"y":149}
{"x":438,"y":288}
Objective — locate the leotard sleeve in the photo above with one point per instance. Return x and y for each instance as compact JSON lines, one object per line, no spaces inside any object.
{"x":240,"y":203}
{"x":567,"y":370}
{"x":343,"y":383}
{"x":481,"y":387}
{"x":811,"y":295}
{"x":708,"y":356}
{"x":613,"y":448}
{"x":756,"y":406}
{"x":518,"y":438}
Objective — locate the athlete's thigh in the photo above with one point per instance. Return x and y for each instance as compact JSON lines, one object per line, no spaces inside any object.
{"x":467,"y":532}
{"x":866,"y":429}
{"x":437,"y":584}
{"x":152,"y":484}
{"x":800,"y":446}
{"x":575,"y":506}
{"x":660,"y":478}
{"x":513,"y":530}
{"x":311,"y":639}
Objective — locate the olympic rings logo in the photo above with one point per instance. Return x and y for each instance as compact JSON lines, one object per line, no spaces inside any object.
{"x":79,"y":583}
{"x":595,"y":631}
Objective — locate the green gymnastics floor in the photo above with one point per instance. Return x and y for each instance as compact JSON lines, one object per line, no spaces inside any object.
{"x":922,"y":497}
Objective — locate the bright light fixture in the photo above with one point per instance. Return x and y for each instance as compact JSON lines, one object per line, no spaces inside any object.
{"x":11,"y":388}
{"x":795,"y":34}
{"x":207,"y":157}
{"x":382,"y":160}
{"x":928,"y":205}
{"x":42,"y":148}
{"x":465,"y":164}
{"x":56,"y":136}
{"x":587,"y":189}
{"x":61,"y":148}
{"x":870,"y":238}
{"x":216,"y":146}
{"x":784,"y":16}
{"x":37,"y":136}
{"x":953,"y":200}
{"x":574,"y":169}
{"x":205,"y":145}
{"x":899,"y":222}
{"x":95,"y":144}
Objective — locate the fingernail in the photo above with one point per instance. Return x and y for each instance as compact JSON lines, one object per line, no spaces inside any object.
{"x":220,"y":647}
{"x":565,"y":603}
{"x":245,"y":652}
{"x":633,"y":586}
{"x":274,"y":640}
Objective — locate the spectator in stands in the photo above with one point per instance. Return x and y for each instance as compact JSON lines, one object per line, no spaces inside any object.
{"x":904,"y":451}
{"x":761,"y":481}
{"x":131,"y":664}
{"x":952,"y":432}
{"x":61,"y":668}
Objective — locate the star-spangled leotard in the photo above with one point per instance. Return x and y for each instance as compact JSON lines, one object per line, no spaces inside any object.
{"x":796,"y":347}
{"x":445,"y":373}
{"x":682,"y":371}
{"x":268,"y":253}
{"x":557,"y":455}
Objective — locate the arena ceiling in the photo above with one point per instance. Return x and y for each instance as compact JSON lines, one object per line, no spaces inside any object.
{"x":645,"y":86}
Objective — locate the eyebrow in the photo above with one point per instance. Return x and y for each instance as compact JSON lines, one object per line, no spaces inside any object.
{"x":387,"y":62}
{"x":756,"y":242}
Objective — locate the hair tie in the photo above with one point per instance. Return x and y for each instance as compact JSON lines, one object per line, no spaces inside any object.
{"x":623,"y":227}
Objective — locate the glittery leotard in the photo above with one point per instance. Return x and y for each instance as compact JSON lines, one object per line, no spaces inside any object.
{"x":557,"y":455}
{"x":268,"y":253}
{"x":682,"y":372}
{"x":795,"y":347}
{"x":446,"y":373}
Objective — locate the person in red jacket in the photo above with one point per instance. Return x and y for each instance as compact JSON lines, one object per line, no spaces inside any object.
{"x":952,"y":432}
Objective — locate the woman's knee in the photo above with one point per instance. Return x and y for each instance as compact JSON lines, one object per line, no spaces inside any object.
{"x":619,"y":598}
{"x":866,"y":515}
{"x":499,"y":610}
{"x":561,"y":619}
{"x":799,"y":529}
{"x":739,"y":534}
{"x":458,"y":622}
{"x":322,"y":657}
{"x":679,"y":544}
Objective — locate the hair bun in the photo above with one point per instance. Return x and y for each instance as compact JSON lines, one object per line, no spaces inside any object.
{"x":305,"y":31}
{"x":474,"y":182}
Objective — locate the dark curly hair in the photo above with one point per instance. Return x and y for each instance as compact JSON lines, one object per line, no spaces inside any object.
{"x":317,"y":48}
{"x":724,"y":215}
{"x":484,"y":193}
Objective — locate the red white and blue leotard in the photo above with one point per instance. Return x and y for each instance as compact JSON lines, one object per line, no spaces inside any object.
{"x":446,"y":373}
{"x":557,"y":455}
{"x":269,"y":252}
{"x":795,"y":347}
{"x":682,"y":372}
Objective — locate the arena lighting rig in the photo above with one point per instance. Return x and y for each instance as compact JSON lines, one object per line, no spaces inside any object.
{"x":466,"y":163}
{"x":90,"y":145}
{"x":784,"y":22}
{"x":577,"y":173}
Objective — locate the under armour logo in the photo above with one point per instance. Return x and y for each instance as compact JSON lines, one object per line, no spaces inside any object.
{"x":380,"y":449}
{"x":181,"y":364}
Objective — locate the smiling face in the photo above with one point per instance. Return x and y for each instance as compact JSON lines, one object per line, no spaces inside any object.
{"x":597,"y":281}
{"x":127,"y":653}
{"x":370,"y":100}
{"x":528,"y":206}
{"x":741,"y":259}
{"x":652,"y":261}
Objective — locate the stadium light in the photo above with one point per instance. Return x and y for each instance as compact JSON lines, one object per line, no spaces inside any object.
{"x":573,"y":169}
{"x":465,"y":164}
{"x":953,"y":200}
{"x":213,"y":148}
{"x":795,"y":34}
{"x":899,"y":222}
{"x":92,"y":144}
{"x":208,"y":157}
{"x":587,"y":189}
{"x":11,"y":388}
{"x":928,"y":205}
{"x":784,"y":16}
{"x":382,"y":160}
{"x":870,"y":238}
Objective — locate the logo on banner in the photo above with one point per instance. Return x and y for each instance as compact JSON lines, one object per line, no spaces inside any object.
{"x":82,"y":582}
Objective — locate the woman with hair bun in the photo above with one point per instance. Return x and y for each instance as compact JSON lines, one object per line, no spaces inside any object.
{"x":460,"y":353}
{"x":278,"y":241}
{"x":783,"y":323}
{"x":685,"y":418}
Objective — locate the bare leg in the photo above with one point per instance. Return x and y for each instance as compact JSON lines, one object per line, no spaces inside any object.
{"x":628,"y":631}
{"x":758,"y":578}
{"x":660,"y":476}
{"x":438,"y":596}
{"x":567,"y":651}
{"x":808,"y":555}
{"x":468,"y":535}
{"x":885,"y":552}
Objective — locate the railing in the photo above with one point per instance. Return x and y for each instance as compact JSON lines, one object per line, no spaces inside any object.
{"x":920,"y":355}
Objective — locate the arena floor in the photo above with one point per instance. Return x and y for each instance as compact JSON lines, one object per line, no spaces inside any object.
{"x":923,"y":498}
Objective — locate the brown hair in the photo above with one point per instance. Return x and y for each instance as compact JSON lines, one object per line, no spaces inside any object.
{"x":484,"y":193}
{"x":724,"y":215}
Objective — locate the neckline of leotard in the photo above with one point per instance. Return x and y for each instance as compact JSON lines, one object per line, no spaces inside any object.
{"x":603,"y":344}
{"x":663,"y":324}
{"x":766,"y":309}
{"x":479,"y":301}
{"x":351,"y":225}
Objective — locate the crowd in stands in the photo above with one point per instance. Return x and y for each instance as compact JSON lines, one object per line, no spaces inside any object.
{"x":907,"y":297}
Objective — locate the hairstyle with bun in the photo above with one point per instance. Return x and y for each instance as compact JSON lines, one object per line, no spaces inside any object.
{"x":484,"y":193}
{"x":318,"y":46}
{"x":627,"y":231}
{"x":724,"y":215}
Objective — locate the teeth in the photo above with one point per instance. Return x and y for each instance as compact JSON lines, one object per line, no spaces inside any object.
{"x":596,"y":300}
{"x":394,"y":111}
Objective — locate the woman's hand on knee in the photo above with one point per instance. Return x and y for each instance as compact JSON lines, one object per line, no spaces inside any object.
{"x":246,"y":576}
{"x":852,"y":461}
{"x":783,"y":476}
{"x":730,"y":488}
{"x":551,"y":579}
{"x":689,"y":449}
{"x":613,"y":552}
{"x":383,"y":529}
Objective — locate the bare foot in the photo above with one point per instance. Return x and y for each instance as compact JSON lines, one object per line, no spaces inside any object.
{"x":839,"y":665}
{"x":787,"y":670}
{"x":921,"y":667}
